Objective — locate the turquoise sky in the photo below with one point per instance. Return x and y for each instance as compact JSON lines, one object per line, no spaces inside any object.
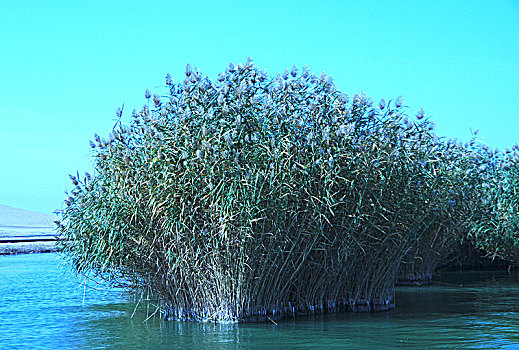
{"x":66,"y":66}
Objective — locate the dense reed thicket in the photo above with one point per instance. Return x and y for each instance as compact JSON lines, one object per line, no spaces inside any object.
{"x":447,"y":229}
{"x":252,"y":197}
{"x":495,"y":230}
{"x":485,"y":225}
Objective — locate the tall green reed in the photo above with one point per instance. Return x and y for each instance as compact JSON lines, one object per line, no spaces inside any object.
{"x":251,"y":197}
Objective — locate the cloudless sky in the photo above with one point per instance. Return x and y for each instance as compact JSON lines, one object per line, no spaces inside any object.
{"x":66,"y":66}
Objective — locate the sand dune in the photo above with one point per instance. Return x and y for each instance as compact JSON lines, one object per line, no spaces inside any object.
{"x":16,"y":222}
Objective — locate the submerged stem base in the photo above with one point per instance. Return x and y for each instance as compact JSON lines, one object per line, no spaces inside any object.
{"x":261,"y":314}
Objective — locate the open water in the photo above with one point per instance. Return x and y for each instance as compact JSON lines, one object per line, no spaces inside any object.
{"x":44,"y":306}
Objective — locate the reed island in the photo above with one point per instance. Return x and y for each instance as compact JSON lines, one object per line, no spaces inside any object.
{"x":251,"y":198}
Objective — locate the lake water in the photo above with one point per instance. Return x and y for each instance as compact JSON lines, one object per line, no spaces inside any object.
{"x":43,"y":306}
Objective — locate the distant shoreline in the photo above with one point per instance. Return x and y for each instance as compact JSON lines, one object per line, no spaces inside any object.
{"x":28,"y":247}
{"x":20,"y":243}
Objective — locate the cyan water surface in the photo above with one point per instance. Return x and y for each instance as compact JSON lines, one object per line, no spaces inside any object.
{"x":44,"y":306}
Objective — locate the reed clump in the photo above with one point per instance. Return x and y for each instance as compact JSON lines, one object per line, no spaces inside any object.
{"x":483,"y":191}
{"x":495,"y":230}
{"x":446,"y":227}
{"x":255,"y":197}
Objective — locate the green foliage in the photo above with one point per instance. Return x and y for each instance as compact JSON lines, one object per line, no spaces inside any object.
{"x":495,"y":230}
{"x":254,"y":197}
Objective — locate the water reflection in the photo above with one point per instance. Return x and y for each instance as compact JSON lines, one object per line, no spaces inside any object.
{"x":42,"y":305}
